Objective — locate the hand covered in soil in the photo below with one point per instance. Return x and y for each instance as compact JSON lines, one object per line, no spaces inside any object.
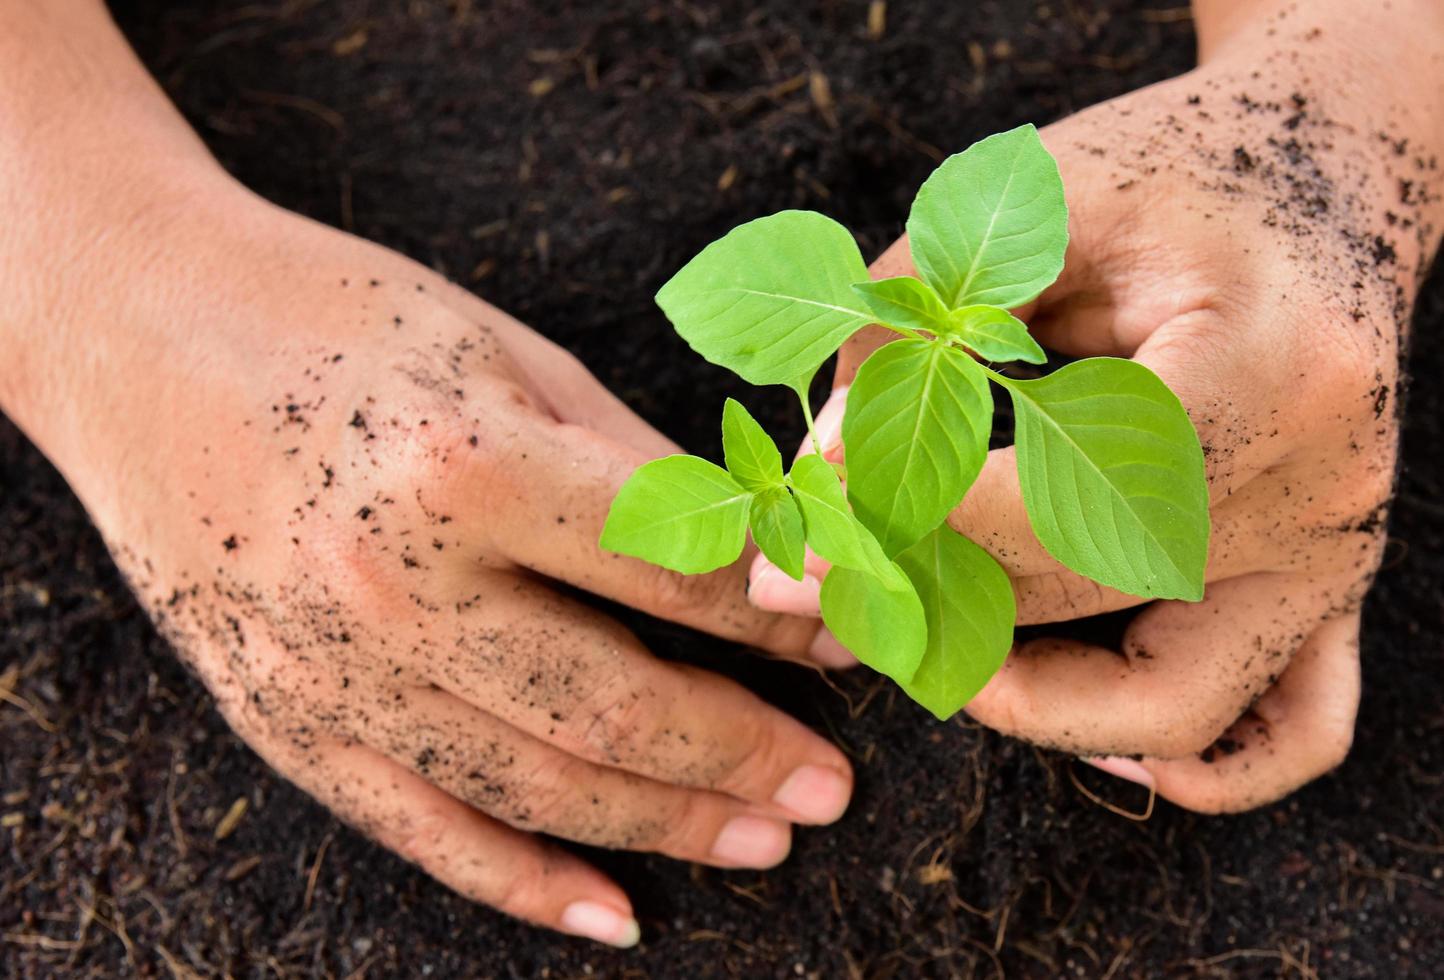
{"x":1255,"y":235}
{"x":343,"y":488}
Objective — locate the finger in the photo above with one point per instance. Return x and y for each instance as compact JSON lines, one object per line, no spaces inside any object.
{"x":772,"y":589}
{"x":533,"y":786}
{"x":1299,"y":730}
{"x":1249,"y":534}
{"x":473,"y":854}
{"x":555,"y":533}
{"x":571,"y":677}
{"x":1254,"y":530}
{"x":1187,"y":670}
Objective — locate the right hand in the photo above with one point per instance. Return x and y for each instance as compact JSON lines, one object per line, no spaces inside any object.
{"x":340,"y":486}
{"x":1260,"y":257}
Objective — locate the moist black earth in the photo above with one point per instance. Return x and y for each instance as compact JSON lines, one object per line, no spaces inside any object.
{"x":562,"y":159}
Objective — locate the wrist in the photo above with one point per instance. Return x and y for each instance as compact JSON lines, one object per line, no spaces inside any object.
{"x":1379,"y":63}
{"x":99,"y":177}
{"x":1371,"y":72}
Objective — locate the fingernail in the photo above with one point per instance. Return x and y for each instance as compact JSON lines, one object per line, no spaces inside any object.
{"x":1124,"y":769}
{"x":829,"y":422}
{"x":827,"y":651}
{"x":776,"y":591}
{"x":817,"y":794}
{"x":753,"y":842}
{"x":602,"y":923}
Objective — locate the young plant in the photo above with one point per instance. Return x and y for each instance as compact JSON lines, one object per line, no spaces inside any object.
{"x":1110,"y":466}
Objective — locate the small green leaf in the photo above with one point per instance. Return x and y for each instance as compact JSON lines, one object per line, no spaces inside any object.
{"x":916,"y":430}
{"x":990,"y":225}
{"x":752,"y":456}
{"x":905,"y":302}
{"x":968,"y":601}
{"x":777,"y":529}
{"x":679,"y":512}
{"x":995,"y":334}
{"x":1112,"y":476}
{"x":832,"y":529}
{"x":884,"y":627}
{"x":772,"y":299}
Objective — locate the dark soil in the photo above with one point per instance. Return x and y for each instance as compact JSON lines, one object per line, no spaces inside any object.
{"x":563,"y":159}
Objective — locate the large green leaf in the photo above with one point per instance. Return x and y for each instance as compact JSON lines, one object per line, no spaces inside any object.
{"x":884,"y":627}
{"x":995,"y":334}
{"x":968,"y":601}
{"x":772,"y":299}
{"x":903,"y":301}
{"x":990,"y":225}
{"x":833,"y":531}
{"x":1112,"y":476}
{"x":679,"y":512}
{"x":777,"y":529}
{"x":916,"y":432}
{"x":752,"y":456}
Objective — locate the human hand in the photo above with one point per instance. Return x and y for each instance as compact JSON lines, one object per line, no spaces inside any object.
{"x":1248,"y":233}
{"x":343,"y":489}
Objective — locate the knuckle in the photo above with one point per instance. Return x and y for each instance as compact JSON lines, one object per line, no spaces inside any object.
{"x":420,"y":838}
{"x":750,"y":769}
{"x":518,"y":894}
{"x":544,"y":800}
{"x":363,"y":576}
{"x":1066,"y":593}
{"x":616,"y":720}
{"x":684,"y":832}
{"x":1341,"y":367}
{"x":1181,"y":734}
{"x":440,"y":459}
{"x":273,"y":699}
{"x":685,"y":596}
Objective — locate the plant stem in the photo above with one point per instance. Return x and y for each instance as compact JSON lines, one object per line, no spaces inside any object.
{"x":811,"y":425}
{"x":1001,"y":379}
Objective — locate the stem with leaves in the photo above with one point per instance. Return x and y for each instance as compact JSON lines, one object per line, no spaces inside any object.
{"x":1110,"y":467}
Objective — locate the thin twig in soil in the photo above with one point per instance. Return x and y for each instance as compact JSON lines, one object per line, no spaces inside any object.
{"x":1113,"y":807}
{"x":35,"y":714}
{"x":315,"y":873}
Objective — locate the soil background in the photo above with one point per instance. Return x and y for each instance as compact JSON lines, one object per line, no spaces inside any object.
{"x":562,"y":159}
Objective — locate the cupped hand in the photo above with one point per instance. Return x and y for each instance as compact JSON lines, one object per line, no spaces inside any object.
{"x":1239,"y":233}
{"x":345,"y":489}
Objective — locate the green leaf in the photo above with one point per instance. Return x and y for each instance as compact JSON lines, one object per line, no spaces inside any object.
{"x":832,"y":529}
{"x":679,"y":512}
{"x":884,"y":627}
{"x":777,"y":529}
{"x":916,"y":430}
{"x":905,"y":302}
{"x":968,"y":601}
{"x":990,"y":225}
{"x":752,"y":456}
{"x":995,"y":334}
{"x":1112,"y":476}
{"x":772,"y":299}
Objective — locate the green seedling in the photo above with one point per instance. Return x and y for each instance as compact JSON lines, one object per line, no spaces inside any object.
{"x":1110,"y":466}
